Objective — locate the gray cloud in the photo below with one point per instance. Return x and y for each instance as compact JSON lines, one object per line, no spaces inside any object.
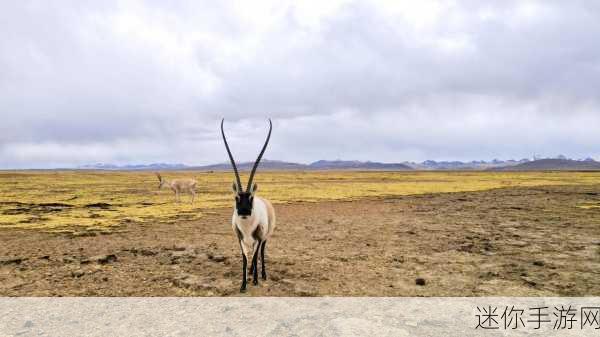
{"x":134,"y":82}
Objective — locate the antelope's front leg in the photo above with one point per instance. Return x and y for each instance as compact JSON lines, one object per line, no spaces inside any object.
{"x":244,"y":260}
{"x":244,"y":265}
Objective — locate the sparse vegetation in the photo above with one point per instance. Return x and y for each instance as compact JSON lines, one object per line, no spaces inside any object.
{"x":515,"y":241}
{"x":99,"y":201}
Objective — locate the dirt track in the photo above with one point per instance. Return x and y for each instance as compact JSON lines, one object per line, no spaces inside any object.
{"x":513,"y":242}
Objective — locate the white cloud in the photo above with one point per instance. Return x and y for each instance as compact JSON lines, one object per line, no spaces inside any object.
{"x":137,"y":81}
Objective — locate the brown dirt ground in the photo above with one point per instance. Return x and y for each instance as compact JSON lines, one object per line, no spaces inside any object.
{"x":503,"y":242}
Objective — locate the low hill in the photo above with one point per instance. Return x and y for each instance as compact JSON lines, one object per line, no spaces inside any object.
{"x":137,"y":167}
{"x":553,"y":165}
{"x":356,"y":165}
{"x":266,"y":164}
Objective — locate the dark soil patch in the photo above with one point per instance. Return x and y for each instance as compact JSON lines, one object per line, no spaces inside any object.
{"x":101,"y":205}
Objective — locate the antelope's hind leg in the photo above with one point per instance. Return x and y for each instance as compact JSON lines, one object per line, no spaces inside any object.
{"x":254,"y":264}
{"x":262,"y":260}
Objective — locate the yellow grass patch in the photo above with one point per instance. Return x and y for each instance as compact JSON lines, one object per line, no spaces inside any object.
{"x":589,"y":205}
{"x":91,"y":200}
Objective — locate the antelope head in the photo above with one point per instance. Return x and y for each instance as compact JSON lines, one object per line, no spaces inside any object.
{"x":161,"y":181}
{"x":244,"y":199}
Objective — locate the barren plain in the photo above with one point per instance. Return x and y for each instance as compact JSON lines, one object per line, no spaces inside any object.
{"x":338,"y":234}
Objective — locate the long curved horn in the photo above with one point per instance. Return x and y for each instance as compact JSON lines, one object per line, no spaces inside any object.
{"x":237,"y":175}
{"x":259,"y":157}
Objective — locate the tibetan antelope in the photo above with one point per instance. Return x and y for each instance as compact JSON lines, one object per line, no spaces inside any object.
{"x":178,"y":186}
{"x":253,"y":218}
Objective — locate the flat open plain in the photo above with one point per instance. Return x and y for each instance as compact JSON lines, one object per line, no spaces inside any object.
{"x":338,"y":233}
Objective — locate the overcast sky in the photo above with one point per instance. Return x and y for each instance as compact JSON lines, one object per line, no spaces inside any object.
{"x":142,"y":81}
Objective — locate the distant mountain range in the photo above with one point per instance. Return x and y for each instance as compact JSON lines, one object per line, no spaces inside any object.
{"x":155,"y":166}
{"x":459,"y":165}
{"x":553,"y":165}
{"x":265,"y":164}
{"x":560,"y":163}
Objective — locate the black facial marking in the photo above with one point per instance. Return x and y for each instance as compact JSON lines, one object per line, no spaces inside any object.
{"x":243,"y":203}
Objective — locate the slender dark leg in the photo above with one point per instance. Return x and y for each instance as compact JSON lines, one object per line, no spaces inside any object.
{"x":244,"y":264}
{"x":262,"y":259}
{"x":244,"y":261}
{"x":254,"y":267}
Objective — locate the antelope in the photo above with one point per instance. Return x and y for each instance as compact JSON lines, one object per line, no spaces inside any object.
{"x":253,"y":217}
{"x":178,"y":186}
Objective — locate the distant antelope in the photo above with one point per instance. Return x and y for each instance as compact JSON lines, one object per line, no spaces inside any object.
{"x":178,"y":186}
{"x":253,"y":218}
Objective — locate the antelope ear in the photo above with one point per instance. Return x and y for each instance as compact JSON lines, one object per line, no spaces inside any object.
{"x":254,"y":188}
{"x":234,"y":188}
